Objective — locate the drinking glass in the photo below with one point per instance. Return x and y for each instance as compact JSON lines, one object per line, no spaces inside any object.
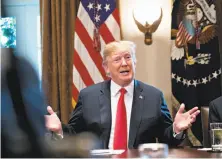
{"x":216,"y":136}
{"x":153,"y":150}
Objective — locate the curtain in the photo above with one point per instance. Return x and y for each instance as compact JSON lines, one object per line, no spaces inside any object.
{"x":57,"y":34}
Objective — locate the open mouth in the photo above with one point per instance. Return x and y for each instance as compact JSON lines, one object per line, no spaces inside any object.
{"x":125,"y":72}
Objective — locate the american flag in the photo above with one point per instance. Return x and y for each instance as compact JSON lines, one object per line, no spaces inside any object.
{"x":97,"y":24}
{"x":185,"y":33}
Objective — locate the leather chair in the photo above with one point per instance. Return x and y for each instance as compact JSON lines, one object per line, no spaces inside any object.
{"x":205,"y":124}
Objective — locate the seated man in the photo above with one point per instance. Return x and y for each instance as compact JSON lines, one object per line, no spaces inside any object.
{"x":124,"y":112}
{"x":215,"y":111}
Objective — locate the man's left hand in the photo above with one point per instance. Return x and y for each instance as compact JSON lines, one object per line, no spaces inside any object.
{"x":183,"y":120}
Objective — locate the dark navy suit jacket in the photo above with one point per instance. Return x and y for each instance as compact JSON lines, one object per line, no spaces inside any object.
{"x":215,"y":111}
{"x":150,"y":117}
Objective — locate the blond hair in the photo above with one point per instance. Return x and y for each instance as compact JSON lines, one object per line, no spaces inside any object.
{"x":120,"y":46}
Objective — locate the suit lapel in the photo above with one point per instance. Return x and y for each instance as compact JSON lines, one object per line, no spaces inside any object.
{"x":105,"y":112}
{"x":136,"y":113}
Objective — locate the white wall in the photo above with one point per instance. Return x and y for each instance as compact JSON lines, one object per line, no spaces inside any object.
{"x":154,"y":65}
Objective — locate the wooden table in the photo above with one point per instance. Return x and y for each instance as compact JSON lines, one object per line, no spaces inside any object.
{"x":173,"y":153}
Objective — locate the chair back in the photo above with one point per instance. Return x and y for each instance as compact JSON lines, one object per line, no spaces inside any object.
{"x":205,"y":124}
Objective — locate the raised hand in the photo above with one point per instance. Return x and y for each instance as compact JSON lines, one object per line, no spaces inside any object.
{"x":52,"y":121}
{"x":183,"y":121}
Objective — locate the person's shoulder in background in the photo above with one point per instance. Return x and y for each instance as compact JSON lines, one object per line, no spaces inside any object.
{"x":215,"y":110}
{"x":217,"y":102}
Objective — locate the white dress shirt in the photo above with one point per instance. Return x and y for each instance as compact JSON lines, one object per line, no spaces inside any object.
{"x":128,"y":98}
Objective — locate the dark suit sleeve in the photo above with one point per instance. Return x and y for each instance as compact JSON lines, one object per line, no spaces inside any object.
{"x":214,"y":116}
{"x":166,"y":127}
{"x":76,"y":123}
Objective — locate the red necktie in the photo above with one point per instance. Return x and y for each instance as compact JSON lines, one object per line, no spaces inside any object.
{"x":120,"y":133}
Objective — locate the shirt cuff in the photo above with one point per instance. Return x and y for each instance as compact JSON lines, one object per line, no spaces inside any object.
{"x":180,"y":135}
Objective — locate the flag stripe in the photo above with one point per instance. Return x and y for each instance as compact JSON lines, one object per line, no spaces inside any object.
{"x":113,"y":25}
{"x":77,"y":80}
{"x":75,"y":93}
{"x":183,"y":35}
{"x":84,"y":18}
{"x":87,"y":61}
{"x":82,"y":70}
{"x":84,"y":37}
{"x":106,"y":34}
{"x":116,"y":16}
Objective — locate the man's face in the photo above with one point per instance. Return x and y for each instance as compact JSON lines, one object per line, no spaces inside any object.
{"x":121,"y":67}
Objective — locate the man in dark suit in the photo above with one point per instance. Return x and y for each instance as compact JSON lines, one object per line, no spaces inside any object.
{"x":144,"y":118}
{"x":215,"y":111}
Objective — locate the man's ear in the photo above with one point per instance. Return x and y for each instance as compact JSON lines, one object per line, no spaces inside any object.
{"x":105,"y":67}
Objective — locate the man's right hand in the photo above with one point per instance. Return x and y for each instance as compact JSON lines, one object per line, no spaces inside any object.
{"x":52,"y":121}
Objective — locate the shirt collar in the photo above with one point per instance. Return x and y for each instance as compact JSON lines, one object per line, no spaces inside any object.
{"x":114,"y":87}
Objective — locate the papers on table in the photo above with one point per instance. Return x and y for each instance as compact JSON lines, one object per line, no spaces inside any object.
{"x":106,"y":152}
{"x":204,"y":149}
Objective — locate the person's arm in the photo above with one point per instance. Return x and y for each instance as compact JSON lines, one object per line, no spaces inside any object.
{"x":166,"y":132}
{"x":76,"y":123}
